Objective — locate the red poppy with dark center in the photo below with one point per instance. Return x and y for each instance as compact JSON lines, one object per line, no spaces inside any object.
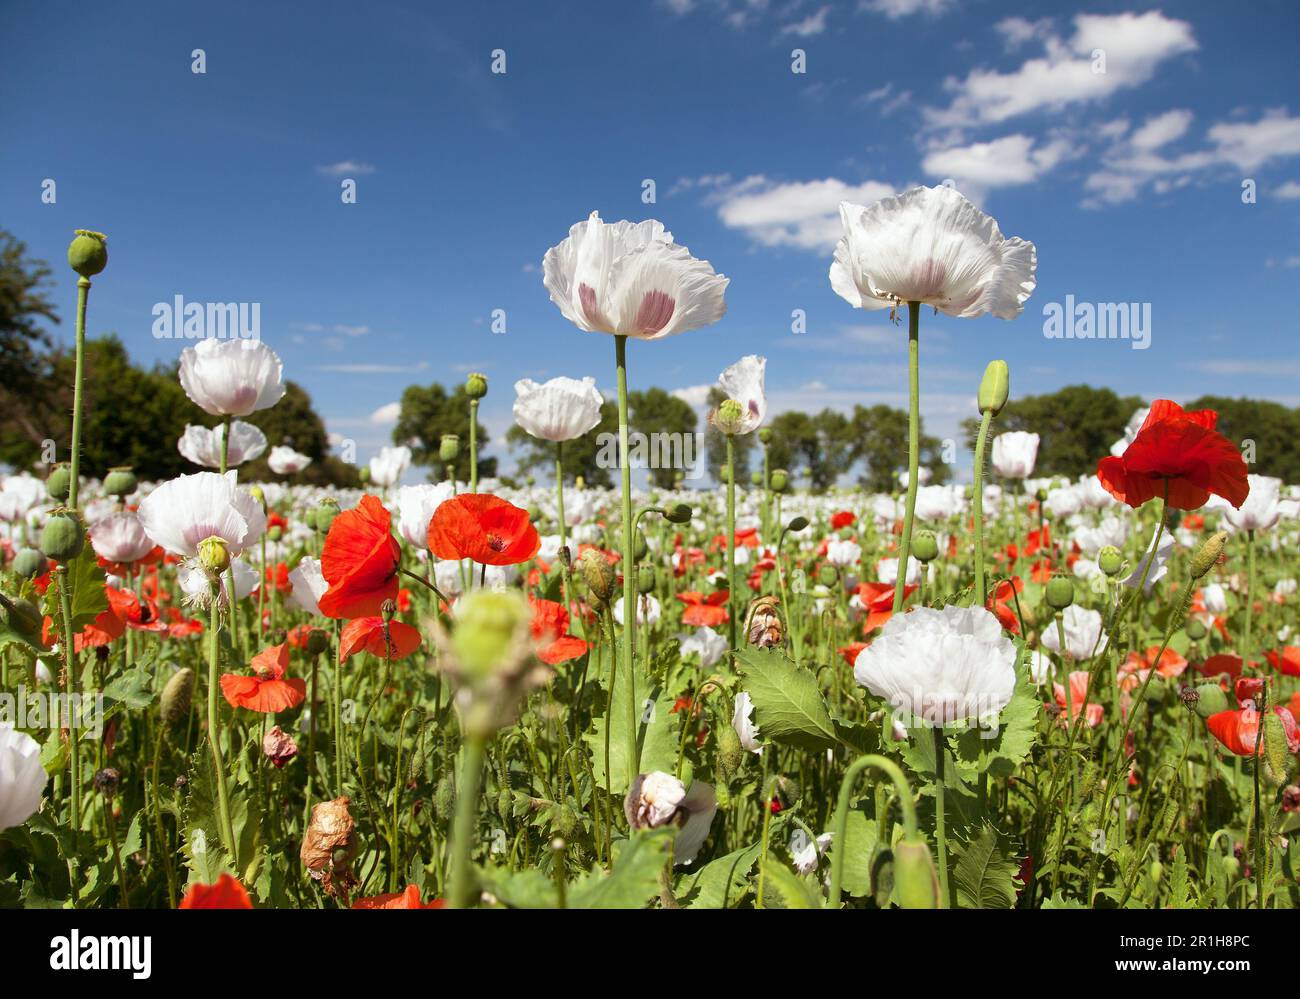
{"x":359,"y":561}
{"x":484,"y":528}
{"x":366,"y":634}
{"x":1180,"y":452}
{"x":107,"y":626}
{"x":843,"y":518}
{"x":550,"y":627}
{"x":702,"y":610}
{"x":1287,"y":660}
{"x":227,"y":893}
{"x":266,"y":690}
{"x":409,"y":899}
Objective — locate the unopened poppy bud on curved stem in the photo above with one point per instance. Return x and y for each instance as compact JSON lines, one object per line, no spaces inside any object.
{"x":1209,"y":554}
{"x":994,"y":387}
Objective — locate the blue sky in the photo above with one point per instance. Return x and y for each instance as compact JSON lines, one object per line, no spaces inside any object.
{"x":225,"y":186}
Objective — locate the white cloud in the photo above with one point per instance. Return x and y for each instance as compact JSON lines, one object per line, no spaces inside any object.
{"x":1161,"y":130}
{"x":1010,"y":160}
{"x":895,"y":9}
{"x":351,"y":330}
{"x":1284,"y":262}
{"x":386,"y":414}
{"x":812,"y":25}
{"x":694,"y":396}
{"x":345,"y":168}
{"x":1289,"y":191}
{"x":1018,"y":30}
{"x":1070,"y":71}
{"x":803,"y":214}
{"x":1250,"y":144}
{"x":373,"y":369}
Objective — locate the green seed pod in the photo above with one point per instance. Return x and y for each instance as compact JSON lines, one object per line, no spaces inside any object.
{"x":476,"y":385}
{"x":1157,"y":871}
{"x":916,"y":883}
{"x":1110,"y":560}
{"x":779,"y":480}
{"x":449,"y":448}
{"x":88,"y":252}
{"x":730,"y":753}
{"x":827,"y":575}
{"x":678,"y":513}
{"x":729,"y":417}
{"x":1195,"y":629}
{"x":1210,"y":700}
{"x":274,"y":533}
{"x":756,"y":477}
{"x":174,"y":705}
{"x":645,"y":578}
{"x":325,"y":514}
{"x":925,"y":546}
{"x":318,"y":642}
{"x":444,"y":799}
{"x":214,"y":555}
{"x":29,"y":563}
{"x":120,"y":481}
{"x":994,"y":387}
{"x":765,"y":435}
{"x":1059,"y":593}
{"x":59,"y":481}
{"x":1208,"y":555}
{"x":63,"y":537}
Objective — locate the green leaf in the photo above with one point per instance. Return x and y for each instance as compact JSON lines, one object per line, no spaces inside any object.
{"x":860,"y":841}
{"x":719,"y":884}
{"x":658,"y":733}
{"x":983,"y":877}
{"x":788,"y":706}
{"x":87,"y":581}
{"x":790,"y":890}
{"x":1000,"y":751}
{"x":206,"y":857}
{"x":133,"y":688}
{"x":20,"y":624}
{"x":634,"y":880}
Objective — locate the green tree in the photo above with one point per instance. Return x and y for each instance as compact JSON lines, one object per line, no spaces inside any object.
{"x":820,"y":445}
{"x":581,"y":455}
{"x":24,"y":309}
{"x":715,"y":445}
{"x":293,"y":422}
{"x":879,"y":436}
{"x":427,"y":413}
{"x":654,"y":411}
{"x":1076,"y":425}
{"x":1272,"y":429}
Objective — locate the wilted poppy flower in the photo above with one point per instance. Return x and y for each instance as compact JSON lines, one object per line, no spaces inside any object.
{"x":359,"y":561}
{"x":550,"y":626}
{"x":366,"y":634}
{"x":483,"y":528}
{"x":408,"y":899}
{"x":657,"y":799}
{"x":266,"y":690}
{"x":227,"y":893}
{"x":1181,"y":452}
{"x":278,"y":746}
{"x":1238,"y":731}
{"x":1287,"y":660}
{"x":701,"y":610}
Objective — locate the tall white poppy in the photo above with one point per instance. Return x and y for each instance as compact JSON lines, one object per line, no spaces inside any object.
{"x":388,"y":466}
{"x":22,"y":778}
{"x":557,"y":410}
{"x":203,"y":446}
{"x":416,"y":506}
{"x":286,"y":461}
{"x":1015,"y":453}
{"x":231,"y":377}
{"x":120,"y":537}
{"x":185,"y":511}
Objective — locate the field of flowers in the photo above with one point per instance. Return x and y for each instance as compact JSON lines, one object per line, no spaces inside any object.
{"x":1019,"y":692}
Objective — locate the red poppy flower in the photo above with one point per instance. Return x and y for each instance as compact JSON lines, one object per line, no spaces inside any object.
{"x":298,"y":635}
{"x":844,"y":518}
{"x":265,"y":690}
{"x":1238,"y":731}
{"x":359,"y":561}
{"x":366,"y":634}
{"x":702,"y":610}
{"x":1286,"y":661}
{"x":877,"y":600}
{"x":851,"y":652}
{"x":409,"y":899}
{"x":1133,"y":671}
{"x":278,"y":576}
{"x":1247,"y":689}
{"x":483,"y":528}
{"x":1181,"y":452}
{"x":1002,"y":602}
{"x":550,"y":627}
{"x":1078,"y":699}
{"x":1224,"y":662}
{"x":227,"y":893}
{"x":107,"y":626}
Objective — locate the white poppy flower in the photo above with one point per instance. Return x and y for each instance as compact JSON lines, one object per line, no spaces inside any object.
{"x":18,"y":494}
{"x":923,"y":475}
{"x":656,"y":799}
{"x":22,"y":778}
{"x":746,"y":730}
{"x":743,"y":382}
{"x":1083,"y":633}
{"x":203,"y":446}
{"x":181,"y":513}
{"x":843,"y":553}
{"x":706,"y":643}
{"x":308,"y":585}
{"x":931,"y":245}
{"x":887,"y":571}
{"x":389,"y":465}
{"x":944,"y":666}
{"x":1040,"y":667}
{"x":558,"y":410}
{"x":1111,"y":531}
{"x":1215,"y":600}
{"x":1063,"y":502}
{"x":631,"y":279}
{"x":803,"y":851}
{"x":231,"y":377}
{"x":286,"y":461}
{"x":938,"y":502}
{"x":647,"y":610}
{"x":416,"y":506}
{"x":121,"y":538}
{"x":1014,"y":454}
{"x":1158,"y":569}
{"x":1261,"y":509}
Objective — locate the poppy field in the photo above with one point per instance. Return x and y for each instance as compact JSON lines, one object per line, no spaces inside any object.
{"x":1020,"y":692}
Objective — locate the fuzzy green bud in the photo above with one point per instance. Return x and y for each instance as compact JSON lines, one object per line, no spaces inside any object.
{"x":645,"y":578}
{"x":797,"y":524}
{"x":325,"y":514}
{"x":598,"y":574}
{"x":1210,"y":699}
{"x":994,"y":387}
{"x":63,"y":537}
{"x":88,"y":252}
{"x":730,"y":753}
{"x":476,"y":385}
{"x":444,"y":799}
{"x":1209,"y":554}
{"x":317,"y":642}
{"x":488,"y":629}
{"x":1276,"y":754}
{"x":916,"y":882}
{"x":925,"y":546}
{"x":58,"y":481}
{"x":120,"y":481}
{"x":1059,"y":593}
{"x":29,"y":563}
{"x":1195,"y":629}
{"x":1110,"y":560}
{"x":174,"y":705}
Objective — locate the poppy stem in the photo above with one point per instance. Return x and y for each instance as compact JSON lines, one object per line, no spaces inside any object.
{"x":1250,"y":595}
{"x":913,"y":447}
{"x":473,"y":445}
{"x":83,"y":293}
{"x":731,"y":539}
{"x":940,"y":836}
{"x":467,"y":793}
{"x":977,"y":500}
{"x":214,"y":732}
{"x":629,"y":571}
{"x":839,"y":839}
{"x":559,"y":492}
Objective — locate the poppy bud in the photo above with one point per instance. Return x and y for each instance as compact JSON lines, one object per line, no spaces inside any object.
{"x":564,"y":821}
{"x":120,"y":481}
{"x":257,"y":494}
{"x":274,"y":533}
{"x":994,"y":387}
{"x":1210,"y":700}
{"x":388,"y":609}
{"x":325,"y":514}
{"x":730,"y":754}
{"x":1059,"y":593}
{"x":106,"y":781}
{"x":827,"y":575}
{"x":1209,"y":554}
{"x":728,"y":417}
{"x":488,"y":630}
{"x":476,"y":385}
{"x":765,"y":434}
{"x":58,"y":481}
{"x":1110,"y":560}
{"x":916,"y":882}
{"x":797,"y":524}
{"x":678,"y":513}
{"x":779,"y":480}
{"x":756,"y":477}
{"x":88,"y":253}
{"x":63,"y":537}
{"x":174,"y":705}
{"x":317,"y":642}
{"x":925,"y":547}
{"x":639,"y":546}
{"x":1157,"y":871}
{"x":645,"y":579}
{"x":29,"y":563}
{"x":363,"y":474}
{"x":214,"y":555}
{"x":1231,"y":867}
{"x":599,"y":575}
{"x":449,"y":448}
{"x":1276,"y":754}
{"x":1195,"y":629}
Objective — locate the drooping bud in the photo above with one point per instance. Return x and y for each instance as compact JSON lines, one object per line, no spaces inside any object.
{"x":1110,"y":560}
{"x":214,"y":555}
{"x":1209,"y":554}
{"x":29,"y":563}
{"x":645,"y":578}
{"x":730,"y":753}
{"x":88,"y":252}
{"x":63,"y":537}
{"x":729,"y":417}
{"x":639,"y":546}
{"x":177,"y":693}
{"x":1059,"y":593}
{"x":925,"y":546}
{"x":779,"y":480}
{"x":797,"y":524}
{"x":599,"y":575}
{"x":476,"y":385}
{"x":994,"y":387}
{"x":120,"y":481}
{"x":916,"y":882}
{"x":787,"y":790}
{"x":678,"y":513}
{"x":107,"y":781}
